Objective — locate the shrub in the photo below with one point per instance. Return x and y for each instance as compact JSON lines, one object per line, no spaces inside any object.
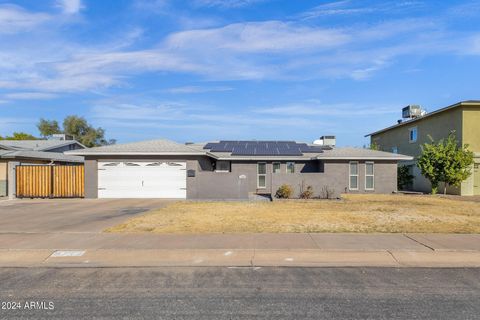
{"x":327,"y":193}
{"x":307,"y":193}
{"x":284,"y":192}
{"x":404,"y":177}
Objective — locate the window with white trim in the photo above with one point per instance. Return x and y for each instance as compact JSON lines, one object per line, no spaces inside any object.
{"x":353,"y":175}
{"x":394,"y":149}
{"x":222,"y":166}
{"x":261,"y":175}
{"x":290,"y":167}
{"x":369,"y":176}
{"x":412,"y":135}
{"x":276,"y":167}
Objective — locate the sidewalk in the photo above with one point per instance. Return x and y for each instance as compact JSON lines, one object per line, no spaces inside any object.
{"x":238,"y":250}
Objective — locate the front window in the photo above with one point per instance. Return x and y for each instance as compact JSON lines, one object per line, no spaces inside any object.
{"x":222,"y":166}
{"x":276,"y":167}
{"x":353,"y":176}
{"x":261,"y":175}
{"x":394,"y":150}
{"x":412,"y":134}
{"x":290,"y":167}
{"x":369,"y":176}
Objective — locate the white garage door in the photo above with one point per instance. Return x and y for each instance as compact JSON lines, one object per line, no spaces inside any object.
{"x":124,"y":179}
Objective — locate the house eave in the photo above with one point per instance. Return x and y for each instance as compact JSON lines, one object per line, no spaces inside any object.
{"x":366,"y":158}
{"x":458,"y":104}
{"x":86,"y":154}
{"x":265,"y":158}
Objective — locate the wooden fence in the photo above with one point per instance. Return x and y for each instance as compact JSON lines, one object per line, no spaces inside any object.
{"x":50,"y":181}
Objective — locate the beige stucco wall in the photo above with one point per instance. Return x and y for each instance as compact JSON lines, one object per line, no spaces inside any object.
{"x":471,"y":127}
{"x":471,"y":136}
{"x":3,"y":178}
{"x":438,"y":126}
{"x":465,"y":120}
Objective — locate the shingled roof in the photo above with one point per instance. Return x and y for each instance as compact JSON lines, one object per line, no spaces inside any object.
{"x":153,"y":147}
{"x":35,"y":145}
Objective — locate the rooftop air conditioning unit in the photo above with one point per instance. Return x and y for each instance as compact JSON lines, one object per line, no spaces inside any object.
{"x":412,"y":111}
{"x":326,"y":141}
{"x":61,"y":136}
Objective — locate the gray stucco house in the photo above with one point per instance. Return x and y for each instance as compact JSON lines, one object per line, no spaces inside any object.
{"x":233,"y":169}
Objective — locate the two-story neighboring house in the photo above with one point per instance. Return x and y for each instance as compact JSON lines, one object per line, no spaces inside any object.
{"x":408,"y":135}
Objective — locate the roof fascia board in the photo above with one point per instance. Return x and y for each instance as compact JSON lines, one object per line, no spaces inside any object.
{"x":264,"y":158}
{"x":365,"y":158}
{"x":80,"y":153}
{"x":67,"y":142}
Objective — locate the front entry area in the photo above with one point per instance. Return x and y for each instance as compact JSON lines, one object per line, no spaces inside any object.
{"x":142,"y":179}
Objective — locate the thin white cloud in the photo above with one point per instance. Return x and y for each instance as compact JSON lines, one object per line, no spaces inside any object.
{"x":315,"y":108}
{"x":15,"y":19}
{"x":156,"y":6}
{"x":239,"y":51}
{"x":227,"y":3}
{"x":258,"y":37}
{"x":70,"y":6}
{"x":174,"y":113}
{"x":30,"y":96}
{"x":348,"y":8}
{"x":197,"y":89}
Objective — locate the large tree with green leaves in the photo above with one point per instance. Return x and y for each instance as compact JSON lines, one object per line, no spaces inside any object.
{"x":445,"y":161}
{"x":48,"y":127}
{"x":78,"y":127}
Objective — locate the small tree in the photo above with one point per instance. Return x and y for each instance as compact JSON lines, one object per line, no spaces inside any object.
{"x":404,"y":178}
{"x":374,"y":146}
{"x":19,"y":136}
{"x":445,"y":162}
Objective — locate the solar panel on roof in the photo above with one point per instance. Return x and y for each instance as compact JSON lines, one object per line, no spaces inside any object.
{"x":291,"y":152}
{"x":262,"y":148}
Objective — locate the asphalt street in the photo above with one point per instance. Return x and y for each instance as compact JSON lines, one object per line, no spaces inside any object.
{"x":240,"y":293}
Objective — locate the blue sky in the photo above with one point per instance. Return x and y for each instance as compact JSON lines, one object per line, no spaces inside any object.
{"x":234,"y":69}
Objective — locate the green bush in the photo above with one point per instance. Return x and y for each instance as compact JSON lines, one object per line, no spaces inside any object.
{"x":404,"y":177}
{"x":284,"y":192}
{"x":307,"y":193}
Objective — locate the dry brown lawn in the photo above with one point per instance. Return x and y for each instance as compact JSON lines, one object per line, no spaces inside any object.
{"x":354,"y":213}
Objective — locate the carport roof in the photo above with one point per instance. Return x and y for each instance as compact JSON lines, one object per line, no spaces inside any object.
{"x":151,"y":147}
{"x":36,"y":145}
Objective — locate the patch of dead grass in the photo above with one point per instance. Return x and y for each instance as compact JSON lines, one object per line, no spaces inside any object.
{"x":354,"y":213}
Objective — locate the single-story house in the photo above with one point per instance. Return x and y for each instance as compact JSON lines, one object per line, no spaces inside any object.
{"x":25,"y":152}
{"x":233,"y":169}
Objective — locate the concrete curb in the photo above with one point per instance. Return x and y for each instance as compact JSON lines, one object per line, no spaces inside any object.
{"x":236,"y":258}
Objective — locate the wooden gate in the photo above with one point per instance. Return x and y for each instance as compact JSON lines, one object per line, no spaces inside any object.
{"x":50,"y":181}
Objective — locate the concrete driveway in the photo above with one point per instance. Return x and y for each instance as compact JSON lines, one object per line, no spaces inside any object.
{"x":70,"y":215}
